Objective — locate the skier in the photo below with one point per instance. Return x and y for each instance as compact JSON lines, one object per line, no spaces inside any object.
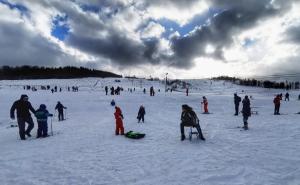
{"x":60,"y":108}
{"x":23,"y":115}
{"x":189,"y":119}
{"x":141,"y":114}
{"x":119,"y":121}
{"x":287,"y":96}
{"x":42,"y":115}
{"x":246,"y":111}
{"x":276,"y":102}
{"x":205,"y":105}
{"x":237,"y":101}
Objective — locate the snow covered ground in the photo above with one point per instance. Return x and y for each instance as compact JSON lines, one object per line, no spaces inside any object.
{"x":85,"y":151}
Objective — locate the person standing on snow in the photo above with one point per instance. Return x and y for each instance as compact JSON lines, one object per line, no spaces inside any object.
{"x":119,"y":121}
{"x":237,"y":101}
{"x":287,"y":96}
{"x":246,"y":111}
{"x":60,"y":108}
{"x":276,"y":102}
{"x":205,"y":105}
{"x":42,"y":115}
{"x":23,"y":115}
{"x":189,"y":119}
{"x":106,"y":90}
{"x":141,"y":114}
{"x":187,"y":91}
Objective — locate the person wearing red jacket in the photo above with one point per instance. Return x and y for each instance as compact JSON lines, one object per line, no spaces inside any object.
{"x":119,"y":121}
{"x":205,"y":103}
{"x":276,"y":102}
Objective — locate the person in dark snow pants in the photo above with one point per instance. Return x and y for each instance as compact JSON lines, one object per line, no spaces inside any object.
{"x":189,"y":118}
{"x":42,"y":115}
{"x":23,"y":106}
{"x":141,"y":114}
{"x":246,"y":111}
{"x":60,"y":108}
{"x":237,"y":101}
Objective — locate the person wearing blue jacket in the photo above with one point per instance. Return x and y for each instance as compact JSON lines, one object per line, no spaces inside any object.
{"x":42,"y":115}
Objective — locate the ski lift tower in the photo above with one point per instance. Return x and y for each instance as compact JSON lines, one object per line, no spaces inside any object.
{"x":166,"y":82}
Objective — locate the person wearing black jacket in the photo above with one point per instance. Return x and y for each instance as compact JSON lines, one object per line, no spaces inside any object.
{"x":237,"y":101}
{"x":189,"y":119}
{"x":246,"y":111}
{"x":141,"y":114}
{"x":23,"y":115}
{"x":60,"y":108}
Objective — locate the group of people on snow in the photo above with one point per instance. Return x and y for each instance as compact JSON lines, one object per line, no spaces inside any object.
{"x":23,"y":108}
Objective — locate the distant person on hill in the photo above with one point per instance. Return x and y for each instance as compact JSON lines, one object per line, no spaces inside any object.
{"x":144,"y":90}
{"x":287,"y":96}
{"x":189,"y":119}
{"x":60,"y":108}
{"x":119,"y":121}
{"x":276,"y":102}
{"x":23,"y":115}
{"x":42,"y":115}
{"x":112,"y":103}
{"x":237,"y":101}
{"x":141,"y":114}
{"x":187,"y":91}
{"x":106,"y":90}
{"x":299,"y":97}
{"x":205,"y":105}
{"x":246,"y":111}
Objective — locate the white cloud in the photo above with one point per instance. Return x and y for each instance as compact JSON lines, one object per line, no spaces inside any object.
{"x":152,"y":30}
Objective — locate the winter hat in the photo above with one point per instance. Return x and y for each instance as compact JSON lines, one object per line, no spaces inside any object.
{"x":23,"y":96}
{"x":185,"y":106}
{"x":43,"y":106}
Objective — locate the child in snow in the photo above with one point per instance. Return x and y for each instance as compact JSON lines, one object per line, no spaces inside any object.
{"x":205,"y":103}
{"x":119,"y":121}
{"x":141,"y":114}
{"x":112,"y":103}
{"x":41,"y":115}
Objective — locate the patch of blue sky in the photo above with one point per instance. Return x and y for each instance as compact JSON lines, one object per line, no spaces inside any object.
{"x":198,"y":20}
{"x":248,"y":42}
{"x":19,"y":7}
{"x":60,"y":28}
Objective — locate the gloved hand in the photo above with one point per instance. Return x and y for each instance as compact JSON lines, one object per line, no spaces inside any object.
{"x":50,"y":115}
{"x":12,"y":117}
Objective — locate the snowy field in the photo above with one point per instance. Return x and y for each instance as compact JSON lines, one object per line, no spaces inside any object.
{"x":85,"y":151}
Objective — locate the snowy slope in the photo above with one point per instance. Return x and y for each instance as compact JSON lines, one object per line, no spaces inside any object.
{"x":84,"y":149}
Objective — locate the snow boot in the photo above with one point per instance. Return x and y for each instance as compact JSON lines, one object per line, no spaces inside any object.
{"x":245,"y":126}
{"x":182,"y":137}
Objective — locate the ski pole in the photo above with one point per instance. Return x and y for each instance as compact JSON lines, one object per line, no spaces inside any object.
{"x":51,"y":127}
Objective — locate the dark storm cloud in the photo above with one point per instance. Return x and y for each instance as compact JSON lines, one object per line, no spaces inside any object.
{"x":236,"y":17}
{"x":21,"y":47}
{"x":293,"y":34}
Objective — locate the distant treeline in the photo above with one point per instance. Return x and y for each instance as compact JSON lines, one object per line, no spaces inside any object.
{"x":260,"y":83}
{"x":35,"y":72}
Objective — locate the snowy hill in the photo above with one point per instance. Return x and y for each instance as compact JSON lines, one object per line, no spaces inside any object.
{"x":84,"y":149}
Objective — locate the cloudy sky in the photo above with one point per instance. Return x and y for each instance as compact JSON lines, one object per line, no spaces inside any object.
{"x":184,"y":38}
